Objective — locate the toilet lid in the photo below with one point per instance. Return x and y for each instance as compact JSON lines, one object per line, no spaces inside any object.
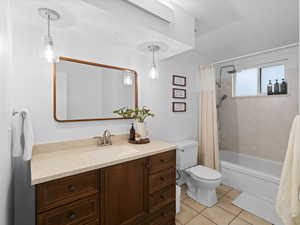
{"x":206,"y":173}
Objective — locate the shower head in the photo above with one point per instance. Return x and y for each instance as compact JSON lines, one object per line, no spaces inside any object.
{"x":221,"y":101}
{"x":223,"y":97}
{"x":232,"y":71}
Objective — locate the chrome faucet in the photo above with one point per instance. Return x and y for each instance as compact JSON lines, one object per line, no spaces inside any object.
{"x":100,"y":141}
{"x":105,"y":139}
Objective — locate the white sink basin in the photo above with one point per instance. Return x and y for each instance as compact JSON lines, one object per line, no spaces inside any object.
{"x":119,"y":150}
{"x":127,"y":151}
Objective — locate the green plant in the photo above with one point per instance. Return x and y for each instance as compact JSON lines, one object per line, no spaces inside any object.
{"x":138,"y":114}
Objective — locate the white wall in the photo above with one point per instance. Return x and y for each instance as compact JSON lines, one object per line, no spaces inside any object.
{"x":158,"y":96}
{"x":5,"y":160}
{"x":260,"y":126}
{"x":33,"y":89}
{"x":33,"y":85}
{"x":33,"y":82}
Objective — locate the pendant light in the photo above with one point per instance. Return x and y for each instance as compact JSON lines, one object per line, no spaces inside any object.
{"x":48,"y":51}
{"x":154,"y":74}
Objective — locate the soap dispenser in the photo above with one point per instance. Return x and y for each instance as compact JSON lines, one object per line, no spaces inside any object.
{"x":132,"y":133}
{"x":283,"y":87}
{"x":270,"y":88}
{"x":276,"y":88}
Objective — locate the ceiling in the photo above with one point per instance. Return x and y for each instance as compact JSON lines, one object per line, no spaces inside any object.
{"x":100,"y":22}
{"x":230,"y":28}
{"x":225,"y":28}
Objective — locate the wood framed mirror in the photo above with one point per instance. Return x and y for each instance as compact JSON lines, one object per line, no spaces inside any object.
{"x":87,"y":91}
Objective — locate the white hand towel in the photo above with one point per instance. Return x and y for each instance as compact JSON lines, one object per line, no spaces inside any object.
{"x":16,"y":130}
{"x":288,"y":203}
{"x":22,"y":135}
{"x":28,"y":136}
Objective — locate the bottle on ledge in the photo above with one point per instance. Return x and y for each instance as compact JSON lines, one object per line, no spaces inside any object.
{"x":132,"y":133}
{"x":283,"y":87}
{"x":276,"y":88}
{"x":270,"y":88}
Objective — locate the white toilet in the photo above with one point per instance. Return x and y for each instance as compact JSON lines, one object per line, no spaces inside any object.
{"x":201,"y":181}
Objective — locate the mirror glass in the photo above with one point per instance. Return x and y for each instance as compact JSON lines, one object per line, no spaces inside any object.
{"x":85,"y":91}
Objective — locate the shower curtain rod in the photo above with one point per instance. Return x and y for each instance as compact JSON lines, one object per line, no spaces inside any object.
{"x":258,"y":53}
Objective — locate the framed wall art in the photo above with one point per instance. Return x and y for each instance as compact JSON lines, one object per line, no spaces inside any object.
{"x":179,"y":107}
{"x":179,"y":93}
{"x":179,"y":80}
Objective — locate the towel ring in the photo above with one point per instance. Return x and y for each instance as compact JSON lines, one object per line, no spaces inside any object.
{"x":23,"y":114}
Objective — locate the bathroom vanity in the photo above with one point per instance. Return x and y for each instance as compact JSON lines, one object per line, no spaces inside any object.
{"x":80,"y":184}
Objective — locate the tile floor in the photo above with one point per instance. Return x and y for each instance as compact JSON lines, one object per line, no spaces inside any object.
{"x":223,"y":213}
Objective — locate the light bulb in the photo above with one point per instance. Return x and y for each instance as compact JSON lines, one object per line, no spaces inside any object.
{"x":49,"y":52}
{"x":154,"y":73}
{"x":127,"y":78}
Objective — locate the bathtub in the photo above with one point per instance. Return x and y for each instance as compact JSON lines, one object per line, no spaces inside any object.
{"x":255,"y":176}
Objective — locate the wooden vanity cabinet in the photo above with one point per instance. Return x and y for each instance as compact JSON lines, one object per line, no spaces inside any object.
{"x":124,"y":197}
{"x":137,"y":192}
{"x":59,"y":192}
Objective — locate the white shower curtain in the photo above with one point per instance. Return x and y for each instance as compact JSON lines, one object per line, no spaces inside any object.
{"x":208,"y":129}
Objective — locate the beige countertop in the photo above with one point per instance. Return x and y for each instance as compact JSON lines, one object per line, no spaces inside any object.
{"x":57,"y":160}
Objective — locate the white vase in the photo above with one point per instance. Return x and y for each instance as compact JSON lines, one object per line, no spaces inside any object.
{"x":141,"y":130}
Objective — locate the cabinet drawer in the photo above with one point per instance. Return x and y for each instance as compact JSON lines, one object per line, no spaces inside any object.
{"x":165,"y":216}
{"x":162,"y":198}
{"x":58,"y":192}
{"x":96,"y":222}
{"x":79,"y":212}
{"x":162,"y":179}
{"x":162,"y":161}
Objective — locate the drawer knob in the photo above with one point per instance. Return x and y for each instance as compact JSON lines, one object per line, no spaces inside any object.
{"x":162,"y":197}
{"x":163,"y":160}
{"x":147,"y":165}
{"x":72,"y":216}
{"x":162,"y":178}
{"x":72,"y":188}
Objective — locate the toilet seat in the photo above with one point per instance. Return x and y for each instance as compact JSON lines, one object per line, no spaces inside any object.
{"x":204,"y":173}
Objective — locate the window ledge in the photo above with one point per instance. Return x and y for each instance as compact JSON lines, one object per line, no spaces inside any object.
{"x":262,"y":96}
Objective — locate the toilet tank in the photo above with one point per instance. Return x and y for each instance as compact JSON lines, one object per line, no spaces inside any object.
{"x":186,"y":154}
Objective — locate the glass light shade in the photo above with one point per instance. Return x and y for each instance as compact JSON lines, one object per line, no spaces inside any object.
{"x":127,"y":80}
{"x":49,"y":53}
{"x":154,"y":74}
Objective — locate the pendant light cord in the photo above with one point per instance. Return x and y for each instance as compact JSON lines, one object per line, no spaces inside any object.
{"x":49,"y":18}
{"x":153,"y":58}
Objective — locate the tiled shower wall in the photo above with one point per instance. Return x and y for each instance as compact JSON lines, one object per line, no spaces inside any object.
{"x":259,"y":126}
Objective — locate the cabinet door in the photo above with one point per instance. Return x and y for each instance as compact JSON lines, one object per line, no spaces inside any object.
{"x":124,"y":193}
